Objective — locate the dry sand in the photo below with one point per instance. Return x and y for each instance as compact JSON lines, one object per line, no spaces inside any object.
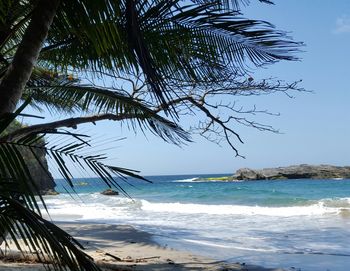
{"x":136,"y":249}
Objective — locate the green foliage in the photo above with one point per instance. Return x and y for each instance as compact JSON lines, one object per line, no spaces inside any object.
{"x":71,"y":96}
{"x":166,"y":40}
{"x":43,"y":238}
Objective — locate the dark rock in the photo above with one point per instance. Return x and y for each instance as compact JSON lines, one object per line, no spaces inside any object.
{"x":247,"y":174}
{"x":294,"y":172}
{"x":49,"y":192}
{"x":110,"y":192}
{"x":37,"y":164}
{"x":40,"y":172}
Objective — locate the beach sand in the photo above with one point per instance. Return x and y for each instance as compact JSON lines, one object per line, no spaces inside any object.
{"x":136,"y":249}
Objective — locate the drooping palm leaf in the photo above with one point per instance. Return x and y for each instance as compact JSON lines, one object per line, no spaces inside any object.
{"x":217,"y":40}
{"x":14,"y":17}
{"x":69,"y":154}
{"x":17,"y":181}
{"x":57,"y":92}
{"x":6,"y":119}
{"x":170,"y":39}
{"x":44,"y":239}
{"x":19,"y":212}
{"x":230,"y":4}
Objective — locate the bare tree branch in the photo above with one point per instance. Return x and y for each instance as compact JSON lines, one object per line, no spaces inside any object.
{"x":213,"y":106}
{"x":217,"y":102}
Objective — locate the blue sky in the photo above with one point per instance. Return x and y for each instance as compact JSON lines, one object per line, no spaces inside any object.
{"x":315,"y":126}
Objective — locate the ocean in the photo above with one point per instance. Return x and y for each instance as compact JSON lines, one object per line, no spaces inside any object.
{"x":294,"y":224}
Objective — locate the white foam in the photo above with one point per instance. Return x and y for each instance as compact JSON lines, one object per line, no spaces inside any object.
{"x":206,"y":243}
{"x":228,"y":246}
{"x":98,"y":207}
{"x":316,"y":209}
{"x":89,"y":207}
{"x":186,"y":180}
{"x":336,"y":202}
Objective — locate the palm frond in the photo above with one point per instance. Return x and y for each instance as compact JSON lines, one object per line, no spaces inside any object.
{"x":230,"y":4}
{"x":41,"y":237}
{"x":19,"y":183}
{"x":163,"y":39}
{"x":220,"y":39}
{"x":70,"y":96}
{"x":20,"y":218}
{"x":6,"y":119}
{"x":67,"y":155}
{"x":14,"y":17}
{"x":16,"y":180}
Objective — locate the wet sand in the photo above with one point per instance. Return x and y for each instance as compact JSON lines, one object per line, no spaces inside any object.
{"x":121,"y":247}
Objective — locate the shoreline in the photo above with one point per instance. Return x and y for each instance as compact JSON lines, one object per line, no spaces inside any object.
{"x":136,"y":248}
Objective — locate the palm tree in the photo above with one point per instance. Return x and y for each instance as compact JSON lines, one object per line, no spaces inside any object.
{"x":43,"y":42}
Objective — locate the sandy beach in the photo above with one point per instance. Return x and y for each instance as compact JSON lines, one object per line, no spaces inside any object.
{"x":122,"y":247}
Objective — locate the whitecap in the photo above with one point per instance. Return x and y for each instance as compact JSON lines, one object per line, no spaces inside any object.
{"x":189,"y":208}
{"x":186,"y":180}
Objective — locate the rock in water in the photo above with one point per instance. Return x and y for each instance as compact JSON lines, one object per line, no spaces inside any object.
{"x":294,"y":172}
{"x":110,"y":192}
{"x":247,"y":174}
{"x":50,"y":192}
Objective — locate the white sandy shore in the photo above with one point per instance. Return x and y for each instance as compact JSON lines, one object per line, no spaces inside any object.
{"x":136,"y":249}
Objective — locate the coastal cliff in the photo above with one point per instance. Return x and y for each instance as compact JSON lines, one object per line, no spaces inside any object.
{"x":294,"y":172}
{"x":39,"y":171}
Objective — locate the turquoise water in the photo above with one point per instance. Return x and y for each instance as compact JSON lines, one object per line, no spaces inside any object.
{"x":289,"y":223}
{"x":263,"y":193}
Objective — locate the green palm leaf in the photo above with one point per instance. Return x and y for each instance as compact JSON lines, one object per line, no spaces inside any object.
{"x":41,"y":237}
{"x":162,"y":38}
{"x":20,"y":218}
{"x":230,"y":4}
{"x":58,"y":92}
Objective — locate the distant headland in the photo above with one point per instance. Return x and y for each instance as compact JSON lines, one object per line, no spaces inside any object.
{"x":303,"y":171}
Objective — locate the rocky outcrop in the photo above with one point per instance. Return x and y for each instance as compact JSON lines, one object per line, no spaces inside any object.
{"x":40,"y":172}
{"x":50,"y":192}
{"x":110,"y":192}
{"x":294,"y":172}
{"x":37,"y":164}
{"x":214,"y":179}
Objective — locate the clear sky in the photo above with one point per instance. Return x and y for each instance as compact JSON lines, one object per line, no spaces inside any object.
{"x":315,"y":127}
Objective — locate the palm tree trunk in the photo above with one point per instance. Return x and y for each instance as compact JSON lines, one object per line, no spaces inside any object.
{"x":20,"y":70}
